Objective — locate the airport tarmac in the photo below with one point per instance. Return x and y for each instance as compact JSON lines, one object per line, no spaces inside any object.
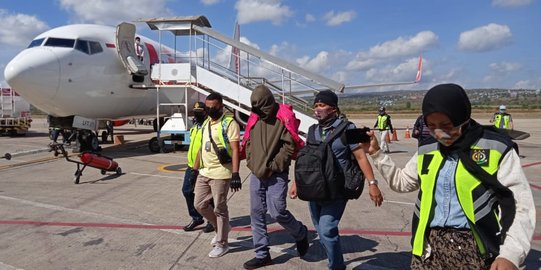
{"x":134,"y":220}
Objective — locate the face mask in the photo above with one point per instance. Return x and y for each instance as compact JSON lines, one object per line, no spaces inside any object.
{"x":199,"y":118}
{"x":323,"y":115}
{"x":442,"y":137}
{"x":215,"y":113}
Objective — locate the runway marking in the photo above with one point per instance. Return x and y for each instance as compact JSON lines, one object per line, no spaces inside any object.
{"x":176,"y":227}
{"x":531,"y":164}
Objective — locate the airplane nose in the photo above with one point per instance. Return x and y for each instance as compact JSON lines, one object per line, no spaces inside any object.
{"x":34,"y":73}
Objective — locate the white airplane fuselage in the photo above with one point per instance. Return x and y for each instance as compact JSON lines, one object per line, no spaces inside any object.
{"x":64,"y":80}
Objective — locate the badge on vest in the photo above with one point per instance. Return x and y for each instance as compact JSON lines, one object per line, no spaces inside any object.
{"x":480,"y":156}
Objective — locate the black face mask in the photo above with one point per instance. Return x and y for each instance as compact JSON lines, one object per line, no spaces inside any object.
{"x":199,"y":118}
{"x":215,"y":113}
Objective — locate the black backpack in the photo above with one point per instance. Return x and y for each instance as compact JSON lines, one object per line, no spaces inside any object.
{"x":318,"y":174}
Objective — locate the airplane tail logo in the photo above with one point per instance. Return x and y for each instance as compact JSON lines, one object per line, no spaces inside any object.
{"x":419,"y":69}
{"x":234,"y":62}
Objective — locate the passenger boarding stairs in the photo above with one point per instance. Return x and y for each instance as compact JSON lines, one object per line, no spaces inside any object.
{"x":218,"y":63}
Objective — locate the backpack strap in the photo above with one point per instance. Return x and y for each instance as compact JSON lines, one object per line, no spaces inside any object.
{"x":337,"y":131}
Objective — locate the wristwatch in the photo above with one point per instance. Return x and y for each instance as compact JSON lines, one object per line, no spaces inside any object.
{"x":373,"y":182}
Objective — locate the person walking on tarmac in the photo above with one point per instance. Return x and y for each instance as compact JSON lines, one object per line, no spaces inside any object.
{"x":475,"y":208}
{"x":269,"y":150}
{"x":502,"y":119}
{"x":383,"y":124}
{"x":219,"y":163}
{"x":188,"y":186}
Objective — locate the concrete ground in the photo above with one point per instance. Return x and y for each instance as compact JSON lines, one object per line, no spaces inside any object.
{"x":134,"y":220}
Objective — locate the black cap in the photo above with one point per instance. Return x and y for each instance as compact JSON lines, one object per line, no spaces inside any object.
{"x":199,"y":106}
{"x":449,"y":99}
{"x":327,"y":97}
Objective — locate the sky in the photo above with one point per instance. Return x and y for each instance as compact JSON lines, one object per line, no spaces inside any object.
{"x":477,"y":44}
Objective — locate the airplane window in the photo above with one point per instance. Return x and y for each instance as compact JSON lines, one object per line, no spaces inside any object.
{"x":36,"y":42}
{"x":60,"y":42}
{"x":82,"y":45}
{"x":95,"y":47}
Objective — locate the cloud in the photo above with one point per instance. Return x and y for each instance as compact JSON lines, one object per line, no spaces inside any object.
{"x":112,"y":12}
{"x":485,"y":38}
{"x":401,"y":72}
{"x":209,"y":2}
{"x":505,"y":67}
{"x":335,"y":19}
{"x":400,"y":47}
{"x":19,"y":29}
{"x":262,"y":10}
{"x":309,"y":18}
{"x":511,"y":3}
{"x":527,"y":84}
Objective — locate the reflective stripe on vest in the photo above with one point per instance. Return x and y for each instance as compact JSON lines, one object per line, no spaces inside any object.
{"x":382,"y":121}
{"x":478,"y":203}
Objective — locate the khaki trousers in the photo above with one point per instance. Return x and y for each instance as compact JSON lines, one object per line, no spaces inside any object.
{"x":206,"y":190}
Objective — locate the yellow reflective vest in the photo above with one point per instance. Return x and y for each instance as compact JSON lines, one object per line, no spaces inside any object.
{"x":196,"y":133}
{"x":477,"y":199}
{"x":501,"y":120}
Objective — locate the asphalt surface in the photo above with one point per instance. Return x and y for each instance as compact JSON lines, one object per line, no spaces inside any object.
{"x":134,"y":220}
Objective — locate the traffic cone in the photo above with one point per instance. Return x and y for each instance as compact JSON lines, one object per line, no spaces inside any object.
{"x":395,"y":137}
{"x":387,"y":138}
{"x":407,"y":135}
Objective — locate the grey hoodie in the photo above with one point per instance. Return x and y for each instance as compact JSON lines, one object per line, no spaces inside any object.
{"x":270,"y":146}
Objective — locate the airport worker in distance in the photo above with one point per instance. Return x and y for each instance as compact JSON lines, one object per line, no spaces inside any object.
{"x":326,"y":213}
{"x":384,"y":125}
{"x":420,"y":130}
{"x":199,"y":116}
{"x":502,"y":119}
{"x":269,"y":150}
{"x":139,"y":50}
{"x":218,"y":166}
{"x":475,"y":209}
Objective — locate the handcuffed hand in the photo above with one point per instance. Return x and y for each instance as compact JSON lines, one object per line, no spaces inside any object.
{"x":235,"y":183}
{"x":193,"y":178}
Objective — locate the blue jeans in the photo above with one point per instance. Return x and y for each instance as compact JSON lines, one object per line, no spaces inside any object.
{"x":187,"y":191}
{"x":326,"y":215}
{"x":270,"y":194}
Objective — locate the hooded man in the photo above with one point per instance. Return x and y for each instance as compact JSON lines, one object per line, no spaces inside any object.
{"x":269,"y":151}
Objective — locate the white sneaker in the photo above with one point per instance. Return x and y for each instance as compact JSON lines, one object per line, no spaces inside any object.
{"x":218,"y":251}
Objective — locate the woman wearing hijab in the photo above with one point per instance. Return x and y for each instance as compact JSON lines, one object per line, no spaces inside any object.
{"x":475,"y":208}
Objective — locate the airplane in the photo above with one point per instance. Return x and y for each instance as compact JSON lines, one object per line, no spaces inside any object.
{"x":73,"y":73}
{"x":83,"y":75}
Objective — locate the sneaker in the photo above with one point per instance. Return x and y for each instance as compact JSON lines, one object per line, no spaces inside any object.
{"x":218,"y":251}
{"x":208,"y":228}
{"x":302,"y":245}
{"x":195,"y":222}
{"x":258,"y":262}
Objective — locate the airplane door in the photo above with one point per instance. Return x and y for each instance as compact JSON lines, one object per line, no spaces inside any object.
{"x":125,"y":40}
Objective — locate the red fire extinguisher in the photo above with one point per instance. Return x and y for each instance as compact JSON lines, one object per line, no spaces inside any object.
{"x":100,"y":162}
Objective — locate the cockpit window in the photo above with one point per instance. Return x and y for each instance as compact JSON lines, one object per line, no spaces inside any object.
{"x":60,"y":42}
{"x":88,"y":47}
{"x":82,"y":45}
{"x":36,"y":42}
{"x":95,"y":47}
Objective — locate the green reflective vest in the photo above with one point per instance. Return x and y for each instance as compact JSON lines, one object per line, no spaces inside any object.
{"x":382,"y":122}
{"x":479,"y":203}
{"x":196,"y":133}
{"x":501,"y":120}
